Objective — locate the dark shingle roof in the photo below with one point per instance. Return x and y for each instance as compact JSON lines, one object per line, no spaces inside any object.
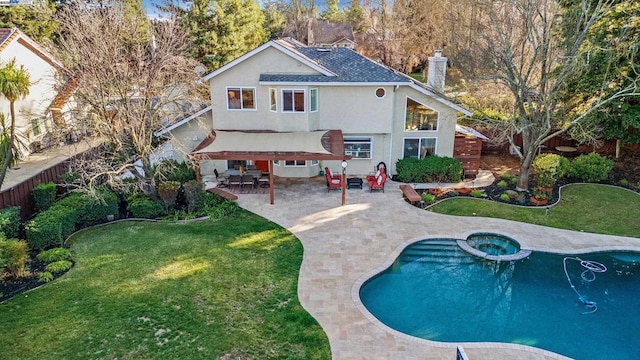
{"x":348,"y":65}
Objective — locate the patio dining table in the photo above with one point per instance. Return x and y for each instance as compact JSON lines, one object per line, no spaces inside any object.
{"x":255,"y":173}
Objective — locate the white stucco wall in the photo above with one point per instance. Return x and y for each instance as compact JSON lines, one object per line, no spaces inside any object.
{"x":42,"y":91}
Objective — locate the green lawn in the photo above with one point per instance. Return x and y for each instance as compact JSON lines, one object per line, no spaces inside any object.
{"x":141,"y":290}
{"x":584,"y":207}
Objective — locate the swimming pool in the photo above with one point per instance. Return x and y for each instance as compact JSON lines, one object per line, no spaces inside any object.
{"x":437,"y":291}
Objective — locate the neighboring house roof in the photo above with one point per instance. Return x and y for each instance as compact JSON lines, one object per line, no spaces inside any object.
{"x":329,"y":33}
{"x":183,"y":121}
{"x":7,"y":36}
{"x":336,"y":66}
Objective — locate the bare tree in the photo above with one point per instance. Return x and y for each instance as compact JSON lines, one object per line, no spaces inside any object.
{"x":134,"y":76}
{"x":531,"y":48}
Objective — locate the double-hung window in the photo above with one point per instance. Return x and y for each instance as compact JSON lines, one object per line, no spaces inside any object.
{"x":358,"y":147}
{"x":292,"y":100}
{"x":241,"y":98}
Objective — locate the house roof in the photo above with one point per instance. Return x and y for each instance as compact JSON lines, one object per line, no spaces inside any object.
{"x":7,"y":36}
{"x":326,"y":33}
{"x":182,"y":121}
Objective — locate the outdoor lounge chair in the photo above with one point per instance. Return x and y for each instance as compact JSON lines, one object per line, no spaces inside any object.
{"x":222,"y":181}
{"x":332,"y":183}
{"x":376,"y":182}
{"x":263,"y":180}
{"x":331,"y":175}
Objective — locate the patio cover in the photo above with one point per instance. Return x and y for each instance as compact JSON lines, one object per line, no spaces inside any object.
{"x":270,"y":145}
{"x":265,"y":145}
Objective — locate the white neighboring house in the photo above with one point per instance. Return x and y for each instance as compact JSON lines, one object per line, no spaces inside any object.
{"x":47,"y":103}
{"x":285,"y":86}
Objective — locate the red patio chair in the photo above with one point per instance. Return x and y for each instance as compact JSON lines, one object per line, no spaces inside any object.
{"x":332,"y":182}
{"x":376,"y":182}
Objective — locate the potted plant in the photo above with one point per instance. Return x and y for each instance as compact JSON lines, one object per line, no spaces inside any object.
{"x":539,"y":197}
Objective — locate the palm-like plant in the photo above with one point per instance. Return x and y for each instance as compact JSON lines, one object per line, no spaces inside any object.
{"x":14,"y":84}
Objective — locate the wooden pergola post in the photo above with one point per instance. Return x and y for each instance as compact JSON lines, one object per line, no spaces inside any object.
{"x":272,"y":196}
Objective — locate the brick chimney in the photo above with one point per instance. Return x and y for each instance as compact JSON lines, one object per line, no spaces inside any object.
{"x":437,"y":72}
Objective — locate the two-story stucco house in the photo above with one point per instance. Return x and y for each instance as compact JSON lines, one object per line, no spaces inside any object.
{"x":47,"y":102}
{"x":284,"y":86}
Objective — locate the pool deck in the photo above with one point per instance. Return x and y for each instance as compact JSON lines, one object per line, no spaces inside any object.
{"x":345,"y":245}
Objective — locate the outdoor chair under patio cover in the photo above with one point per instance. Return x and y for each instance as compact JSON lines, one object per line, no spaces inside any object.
{"x":332,"y":183}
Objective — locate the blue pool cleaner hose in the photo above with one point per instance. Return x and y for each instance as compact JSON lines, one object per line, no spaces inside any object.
{"x":589,"y":274}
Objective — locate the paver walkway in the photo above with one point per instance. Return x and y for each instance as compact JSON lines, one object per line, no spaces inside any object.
{"x":345,"y":245}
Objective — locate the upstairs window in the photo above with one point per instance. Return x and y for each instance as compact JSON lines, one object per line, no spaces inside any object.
{"x":273,"y":100}
{"x":420,"y":117}
{"x":239,"y":98}
{"x":293,"y":100}
{"x":313,"y":100}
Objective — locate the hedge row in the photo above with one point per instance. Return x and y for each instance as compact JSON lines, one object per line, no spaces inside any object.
{"x":49,"y":228}
{"x":430,"y":169}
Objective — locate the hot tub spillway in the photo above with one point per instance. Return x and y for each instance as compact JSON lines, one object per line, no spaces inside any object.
{"x":441,"y":251}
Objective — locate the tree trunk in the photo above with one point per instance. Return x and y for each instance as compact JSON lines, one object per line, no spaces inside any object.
{"x":9,"y":155}
{"x":525,"y":169}
{"x":618,"y":145}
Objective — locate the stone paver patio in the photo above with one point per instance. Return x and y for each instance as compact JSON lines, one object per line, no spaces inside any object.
{"x":345,"y":245}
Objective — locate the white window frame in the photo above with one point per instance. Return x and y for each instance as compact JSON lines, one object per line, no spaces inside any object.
{"x":242,"y":89}
{"x":313,"y":100}
{"x":347,"y":140}
{"x":315,"y":162}
{"x":435,"y":145}
{"x":276,"y":162}
{"x":293,"y":98}
{"x":273,"y":99}
{"x":296,"y":164}
{"x":406,"y":112}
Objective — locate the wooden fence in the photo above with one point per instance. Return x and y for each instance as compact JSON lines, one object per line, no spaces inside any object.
{"x":468,"y":151}
{"x":20,"y":194}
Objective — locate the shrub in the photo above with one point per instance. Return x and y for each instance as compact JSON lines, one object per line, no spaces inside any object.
{"x":44,"y":195}
{"x":140,"y":206}
{"x":171,"y":170}
{"x":194,"y":195}
{"x":10,"y":221}
{"x":624,"y":182}
{"x":49,"y":228}
{"x":13,"y":256}
{"x":430,"y":169}
{"x":506,"y":177}
{"x":58,"y":266}
{"x":71,"y":180}
{"x":55,"y":254}
{"x":98,"y":207}
{"x":476,"y":193}
{"x":428,"y":198}
{"x":222,"y":209}
{"x":549,"y":168}
{"x":45,"y":276}
{"x":168,"y":192}
{"x":591,"y":167}
{"x":502,"y":184}
{"x":505,"y":197}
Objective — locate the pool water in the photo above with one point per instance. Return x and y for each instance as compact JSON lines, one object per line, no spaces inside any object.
{"x":528,"y":302}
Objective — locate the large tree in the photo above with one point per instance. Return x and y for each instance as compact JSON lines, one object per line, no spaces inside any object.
{"x":35,"y":21}
{"x":613,"y":53}
{"x":222,"y":30}
{"x":14,"y":84}
{"x":134,"y":75}
{"x":528,"y":51}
